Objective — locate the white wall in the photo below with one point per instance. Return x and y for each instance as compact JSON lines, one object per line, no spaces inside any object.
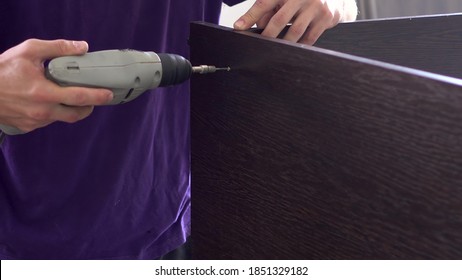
{"x":230,"y":14}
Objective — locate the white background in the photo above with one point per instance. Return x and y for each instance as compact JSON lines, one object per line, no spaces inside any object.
{"x":146,"y":270}
{"x":230,"y":14}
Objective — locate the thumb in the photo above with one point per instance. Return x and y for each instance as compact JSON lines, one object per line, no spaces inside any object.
{"x":43,"y":49}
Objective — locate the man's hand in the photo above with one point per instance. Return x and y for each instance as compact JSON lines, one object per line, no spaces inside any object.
{"x":309,"y":18}
{"x":28,"y":100}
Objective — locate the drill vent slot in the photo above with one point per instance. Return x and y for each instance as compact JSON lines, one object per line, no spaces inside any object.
{"x":73,"y":66}
{"x":129,"y":93}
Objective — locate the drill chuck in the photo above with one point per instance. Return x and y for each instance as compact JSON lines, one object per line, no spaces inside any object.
{"x":175,"y":69}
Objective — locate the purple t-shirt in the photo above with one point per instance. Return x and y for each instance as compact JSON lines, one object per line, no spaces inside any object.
{"x":117,"y":184}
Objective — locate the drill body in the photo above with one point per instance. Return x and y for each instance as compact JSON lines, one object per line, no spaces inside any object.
{"x":127,"y":73}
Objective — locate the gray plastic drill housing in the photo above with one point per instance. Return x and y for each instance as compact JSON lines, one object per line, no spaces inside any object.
{"x":127,"y":73}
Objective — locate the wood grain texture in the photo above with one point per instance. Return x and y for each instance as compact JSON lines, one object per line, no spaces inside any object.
{"x":430,"y":43}
{"x":304,"y":153}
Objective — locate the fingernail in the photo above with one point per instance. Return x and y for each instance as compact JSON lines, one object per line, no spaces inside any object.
{"x":239,"y":24}
{"x":80,"y":45}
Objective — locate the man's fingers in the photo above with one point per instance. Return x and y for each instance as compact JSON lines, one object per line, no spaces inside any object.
{"x":41,"y":50}
{"x":325,"y":20}
{"x":310,"y":18}
{"x":263,"y":22}
{"x":71,"y":114}
{"x":281,"y":18}
{"x":255,"y":13}
{"x":79,"y":96}
{"x":314,"y":31}
{"x":71,"y":96}
{"x":41,"y":116}
{"x":299,"y":27}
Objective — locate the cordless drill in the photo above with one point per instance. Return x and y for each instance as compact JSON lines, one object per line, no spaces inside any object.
{"x":127,"y":73}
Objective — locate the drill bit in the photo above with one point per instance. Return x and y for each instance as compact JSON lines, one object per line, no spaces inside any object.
{"x":205,"y":69}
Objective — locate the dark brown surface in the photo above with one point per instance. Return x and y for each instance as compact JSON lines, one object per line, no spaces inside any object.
{"x":431,"y":43}
{"x":302,"y":153}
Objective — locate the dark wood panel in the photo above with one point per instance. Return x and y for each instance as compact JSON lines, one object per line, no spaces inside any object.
{"x":304,"y":153}
{"x":431,"y":43}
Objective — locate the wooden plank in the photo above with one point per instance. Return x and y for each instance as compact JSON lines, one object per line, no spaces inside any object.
{"x":430,"y":43}
{"x":305,"y":153}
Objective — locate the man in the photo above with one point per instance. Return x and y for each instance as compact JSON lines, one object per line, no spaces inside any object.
{"x":115,"y":184}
